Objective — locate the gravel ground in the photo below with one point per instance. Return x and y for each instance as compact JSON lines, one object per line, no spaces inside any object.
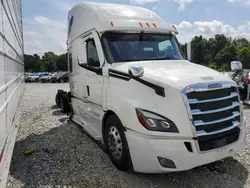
{"x":65,"y":157}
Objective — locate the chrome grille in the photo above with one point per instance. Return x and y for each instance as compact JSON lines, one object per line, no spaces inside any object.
{"x":213,"y":111}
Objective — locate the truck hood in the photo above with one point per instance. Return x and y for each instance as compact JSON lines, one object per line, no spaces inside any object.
{"x":177,"y":73}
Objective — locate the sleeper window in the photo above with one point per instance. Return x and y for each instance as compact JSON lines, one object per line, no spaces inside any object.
{"x":92,"y":56}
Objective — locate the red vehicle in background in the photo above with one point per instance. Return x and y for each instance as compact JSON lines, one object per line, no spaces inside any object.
{"x":246,"y":73}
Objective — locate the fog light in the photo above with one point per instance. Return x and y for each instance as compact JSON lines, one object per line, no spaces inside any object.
{"x":166,"y":163}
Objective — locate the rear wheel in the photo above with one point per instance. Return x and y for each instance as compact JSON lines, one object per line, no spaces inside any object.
{"x":61,"y":81}
{"x":65,"y":102}
{"x":58,"y":97}
{"x":116,"y":143}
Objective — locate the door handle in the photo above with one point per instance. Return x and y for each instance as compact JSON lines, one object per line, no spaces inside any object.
{"x":88,"y":90}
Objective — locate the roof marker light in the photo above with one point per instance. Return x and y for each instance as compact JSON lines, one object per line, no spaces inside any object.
{"x":154,"y":25}
{"x":147,"y":24}
{"x":112,"y":24}
{"x":140,"y":24}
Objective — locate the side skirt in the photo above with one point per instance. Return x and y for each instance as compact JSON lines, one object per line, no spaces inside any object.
{"x":98,"y":142}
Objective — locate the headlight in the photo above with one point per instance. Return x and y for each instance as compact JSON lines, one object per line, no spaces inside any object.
{"x":155,"y":122}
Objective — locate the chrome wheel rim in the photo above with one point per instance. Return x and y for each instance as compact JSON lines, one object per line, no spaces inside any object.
{"x":115,"y":143}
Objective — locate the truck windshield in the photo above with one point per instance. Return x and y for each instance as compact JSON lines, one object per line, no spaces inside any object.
{"x":124,"y":47}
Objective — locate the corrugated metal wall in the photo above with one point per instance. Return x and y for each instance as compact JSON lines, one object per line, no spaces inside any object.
{"x":11,"y":65}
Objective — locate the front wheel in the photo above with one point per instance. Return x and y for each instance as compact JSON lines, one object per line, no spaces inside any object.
{"x":116,"y":143}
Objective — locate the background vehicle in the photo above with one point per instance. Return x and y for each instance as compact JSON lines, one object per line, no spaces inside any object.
{"x":246,"y":73}
{"x":45,"y":78}
{"x":33,"y":77}
{"x":128,"y":91}
{"x":63,"y":78}
{"x":240,"y":76}
{"x":59,"y":78}
{"x":43,"y":74}
{"x":53,"y":77}
{"x":11,"y":79}
{"x":26,"y":77}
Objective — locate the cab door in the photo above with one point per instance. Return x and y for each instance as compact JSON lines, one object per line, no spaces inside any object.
{"x":93,"y":111}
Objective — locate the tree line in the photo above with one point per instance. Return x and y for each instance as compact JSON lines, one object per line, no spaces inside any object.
{"x":49,"y":62}
{"x":216,"y":53}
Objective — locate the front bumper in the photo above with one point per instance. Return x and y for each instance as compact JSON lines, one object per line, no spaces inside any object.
{"x":145,"y":150}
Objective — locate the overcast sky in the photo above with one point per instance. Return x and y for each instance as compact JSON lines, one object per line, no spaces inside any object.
{"x":45,"y":21}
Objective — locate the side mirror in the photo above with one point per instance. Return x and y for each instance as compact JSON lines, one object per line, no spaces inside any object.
{"x":136,"y":71}
{"x":81,"y":53}
{"x":236,"y":66}
{"x":189,"y":51}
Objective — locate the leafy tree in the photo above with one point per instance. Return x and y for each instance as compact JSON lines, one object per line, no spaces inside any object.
{"x":197,"y":49}
{"x":48,"y":63}
{"x":226,"y":55}
{"x":32,"y":63}
{"x":49,"y":55}
{"x":210,"y":50}
{"x":243,"y":42}
{"x":218,"y":52}
{"x":212,"y":66}
{"x":221,"y":42}
{"x":61,"y":62}
{"x":48,"y":66}
{"x":244,"y":57}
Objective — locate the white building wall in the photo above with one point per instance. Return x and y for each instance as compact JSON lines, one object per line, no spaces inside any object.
{"x":11,"y":78}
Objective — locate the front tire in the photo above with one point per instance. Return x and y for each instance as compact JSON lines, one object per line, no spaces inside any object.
{"x":116,"y":143}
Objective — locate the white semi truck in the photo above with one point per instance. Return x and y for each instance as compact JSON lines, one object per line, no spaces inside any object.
{"x":11,"y":78}
{"x":132,"y":91}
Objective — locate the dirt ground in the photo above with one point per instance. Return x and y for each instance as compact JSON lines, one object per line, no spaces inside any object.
{"x":63,"y":156}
